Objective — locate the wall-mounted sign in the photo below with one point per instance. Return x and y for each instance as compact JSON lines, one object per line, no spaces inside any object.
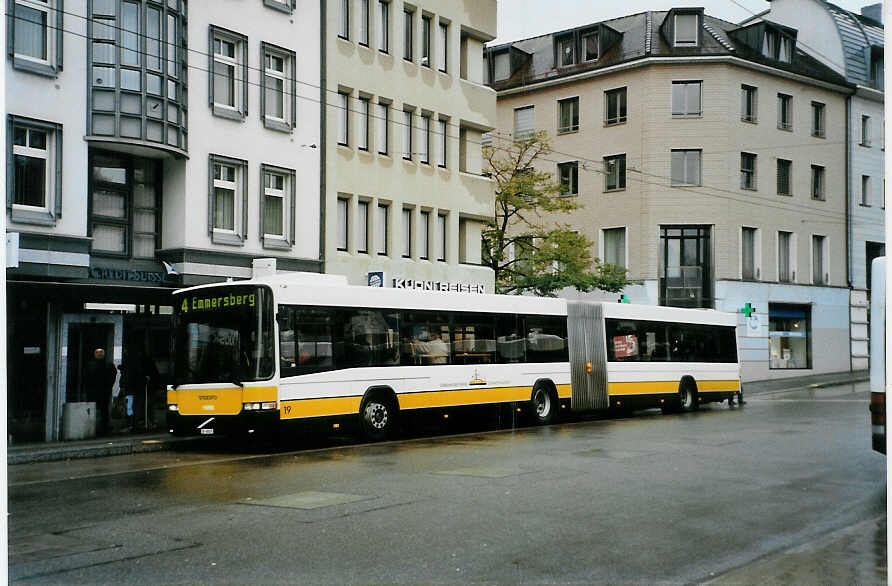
{"x":108,"y":274}
{"x":376,"y":279}
{"x":420,"y":285}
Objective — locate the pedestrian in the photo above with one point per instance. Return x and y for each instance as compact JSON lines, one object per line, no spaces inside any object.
{"x":100,"y":378}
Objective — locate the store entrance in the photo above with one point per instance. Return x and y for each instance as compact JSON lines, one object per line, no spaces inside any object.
{"x":144,"y":369}
{"x":83,"y":340}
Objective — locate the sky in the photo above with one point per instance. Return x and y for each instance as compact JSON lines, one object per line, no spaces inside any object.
{"x":521,"y":19}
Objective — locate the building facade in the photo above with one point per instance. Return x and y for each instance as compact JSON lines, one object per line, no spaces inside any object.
{"x":852,"y":45}
{"x":709,"y":159}
{"x":149,"y":147}
{"x":406,"y":106}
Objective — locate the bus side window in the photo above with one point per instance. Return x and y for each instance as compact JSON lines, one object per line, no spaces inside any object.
{"x":370,"y":338}
{"x":546,"y":338}
{"x":424,"y":338}
{"x":306,"y":342}
{"x":509,"y":339}
{"x":473,"y":339}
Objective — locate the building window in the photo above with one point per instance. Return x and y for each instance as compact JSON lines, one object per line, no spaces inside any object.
{"x":382,"y":132}
{"x":362,"y":223}
{"x":865,"y":190}
{"x":124,"y":206}
{"x":424,"y":235}
{"x":568,"y":115}
{"x":686,"y":29}
{"x":34,"y":193}
{"x":686,"y":98}
{"x":343,"y":226}
{"x":817,"y":182}
{"x":34,"y":35}
{"x":408,"y":30}
{"x":686,"y":167}
{"x":865,"y":131}
{"x":441,"y":237}
{"x":278,"y":107}
{"x":407,"y":232}
{"x":442,"y":128}
{"x":426,"y":41}
{"x":784,"y":169}
{"x":784,"y":112}
{"x":616,"y":106}
{"x":381,"y":229}
{"x":817,"y":119}
{"x":748,"y":103}
{"x":749,"y":254}
{"x":501,"y":66}
{"x":362,"y":140}
{"x":524,"y":121}
{"x":229,"y":63}
{"x":362,"y":36}
{"x":277,"y":207}
{"x":590,"y":46}
{"x":777,"y":46}
{"x":407,"y":134}
{"x":444,"y":47}
{"x":228,"y":205}
{"x":566,"y":51}
{"x":685,"y":266}
{"x":281,"y":5}
{"x":343,"y":118}
{"x":789,"y":336}
{"x":615,"y":172}
{"x":614,"y":246}
{"x":786,"y":257}
{"x":384,"y":26}
{"x":344,"y":19}
{"x":748,"y":171}
{"x":569,"y":177}
{"x":819,"y":275}
{"x":425,"y":142}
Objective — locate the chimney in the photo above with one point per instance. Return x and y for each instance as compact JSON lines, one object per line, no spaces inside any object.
{"x":874,"y":11}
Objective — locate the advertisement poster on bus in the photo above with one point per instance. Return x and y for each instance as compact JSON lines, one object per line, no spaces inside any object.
{"x":625,"y":346}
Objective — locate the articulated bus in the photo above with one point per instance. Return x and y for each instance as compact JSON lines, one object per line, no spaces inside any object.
{"x":878,"y":354}
{"x":253,"y":354}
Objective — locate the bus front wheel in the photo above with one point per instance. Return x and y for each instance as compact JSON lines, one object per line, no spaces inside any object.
{"x":378,"y":418}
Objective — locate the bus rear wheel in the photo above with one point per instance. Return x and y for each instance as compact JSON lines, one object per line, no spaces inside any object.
{"x":687,"y":397}
{"x":544,"y":405}
{"x":378,"y":417}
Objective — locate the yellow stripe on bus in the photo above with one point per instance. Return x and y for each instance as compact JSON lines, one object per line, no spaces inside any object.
{"x":670,"y":386}
{"x":319,"y":407}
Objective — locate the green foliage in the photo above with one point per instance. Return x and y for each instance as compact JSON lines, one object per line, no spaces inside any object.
{"x":547,"y":256}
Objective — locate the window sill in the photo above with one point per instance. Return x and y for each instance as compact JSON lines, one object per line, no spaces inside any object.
{"x":277,"y":125}
{"x":785,"y":128}
{"x":686,"y":185}
{"x":275,"y":243}
{"x":568,"y":131}
{"x":682,"y":116}
{"x":227,"y":238}
{"x":816,"y":135}
{"x":753,"y":189}
{"x":38,"y":218}
{"x":866,"y":145}
{"x":26,"y":65}
{"x":614,"y":122}
{"x":819,"y":198}
{"x":280,"y":6}
{"x":228,"y":113}
{"x":614,"y":190}
{"x":749,"y":120}
{"x":864,"y":205}
{"x":785,"y":194}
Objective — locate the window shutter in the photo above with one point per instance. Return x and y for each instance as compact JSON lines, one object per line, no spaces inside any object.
{"x":524,"y":120}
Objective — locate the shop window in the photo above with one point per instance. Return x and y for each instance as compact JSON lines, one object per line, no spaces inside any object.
{"x":789,"y":336}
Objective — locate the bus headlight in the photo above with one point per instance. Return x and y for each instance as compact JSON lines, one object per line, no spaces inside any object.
{"x":172,"y":407}
{"x":271,"y":405}
{"x":259,"y":406}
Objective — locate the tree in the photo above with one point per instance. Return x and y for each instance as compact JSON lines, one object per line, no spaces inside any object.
{"x":526,"y":248}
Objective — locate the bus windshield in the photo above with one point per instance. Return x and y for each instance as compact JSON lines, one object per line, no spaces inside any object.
{"x":224,"y":334}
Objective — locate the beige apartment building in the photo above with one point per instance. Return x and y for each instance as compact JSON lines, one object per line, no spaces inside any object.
{"x":709,"y":159}
{"x":406,"y":106}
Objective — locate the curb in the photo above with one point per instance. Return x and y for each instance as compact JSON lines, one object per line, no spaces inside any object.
{"x":56,"y":452}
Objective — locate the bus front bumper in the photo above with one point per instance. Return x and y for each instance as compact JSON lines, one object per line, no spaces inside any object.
{"x":246,"y":422}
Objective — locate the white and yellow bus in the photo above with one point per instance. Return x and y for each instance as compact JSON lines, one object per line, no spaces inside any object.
{"x":298,"y":347}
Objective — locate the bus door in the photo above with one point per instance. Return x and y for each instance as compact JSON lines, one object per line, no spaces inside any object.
{"x":588,"y":356}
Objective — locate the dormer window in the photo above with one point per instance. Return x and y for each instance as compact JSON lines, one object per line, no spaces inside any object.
{"x":502,"y":66}
{"x":590,"y":46}
{"x":777,"y":46}
{"x":686,"y":28}
{"x":566,"y":51}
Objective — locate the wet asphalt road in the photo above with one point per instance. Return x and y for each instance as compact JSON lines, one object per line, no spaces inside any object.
{"x":783,"y":490}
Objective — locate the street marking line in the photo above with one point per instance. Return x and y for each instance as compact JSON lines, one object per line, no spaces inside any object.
{"x":307,"y":500}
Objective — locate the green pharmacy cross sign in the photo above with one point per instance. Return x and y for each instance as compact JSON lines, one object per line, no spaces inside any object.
{"x":623,"y":299}
{"x":747,"y":309}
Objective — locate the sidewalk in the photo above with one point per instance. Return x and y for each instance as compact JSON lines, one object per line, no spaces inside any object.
{"x":155,"y":442}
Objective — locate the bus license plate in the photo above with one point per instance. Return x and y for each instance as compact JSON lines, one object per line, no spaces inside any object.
{"x":207,"y":431}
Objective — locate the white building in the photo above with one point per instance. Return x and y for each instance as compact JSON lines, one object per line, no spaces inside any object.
{"x":852,"y":45}
{"x":405,"y":200}
{"x":133,"y":171}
